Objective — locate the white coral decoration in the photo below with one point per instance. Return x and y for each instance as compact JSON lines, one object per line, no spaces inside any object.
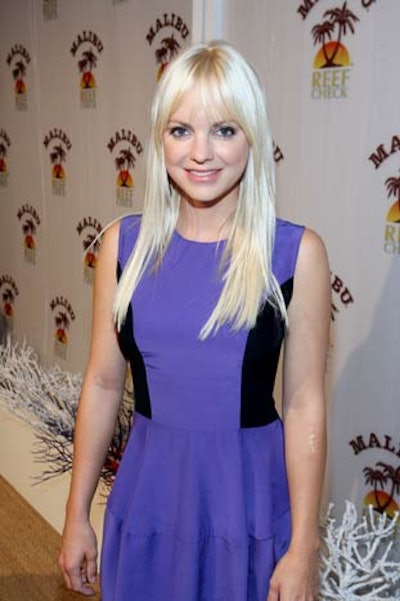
{"x":358,"y":557}
{"x":47,"y":400}
{"x":34,"y":394}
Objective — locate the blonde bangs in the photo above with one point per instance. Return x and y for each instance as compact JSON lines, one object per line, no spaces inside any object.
{"x":222,"y":92}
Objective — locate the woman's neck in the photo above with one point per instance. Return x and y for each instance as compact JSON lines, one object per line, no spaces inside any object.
{"x":205,"y":224}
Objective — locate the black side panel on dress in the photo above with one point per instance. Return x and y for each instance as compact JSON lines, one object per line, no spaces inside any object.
{"x":131,"y":352}
{"x":260,"y":363}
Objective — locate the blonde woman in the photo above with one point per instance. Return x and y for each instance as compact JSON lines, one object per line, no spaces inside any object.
{"x":217,"y":497}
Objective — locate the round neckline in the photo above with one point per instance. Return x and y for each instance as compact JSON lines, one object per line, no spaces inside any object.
{"x":199,"y":242}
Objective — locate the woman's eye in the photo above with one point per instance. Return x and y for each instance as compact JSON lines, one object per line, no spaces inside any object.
{"x":225,"y":131}
{"x":178,"y":131}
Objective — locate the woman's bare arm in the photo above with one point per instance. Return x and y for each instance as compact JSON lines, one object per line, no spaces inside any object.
{"x":304,"y":367}
{"x":98,"y":407}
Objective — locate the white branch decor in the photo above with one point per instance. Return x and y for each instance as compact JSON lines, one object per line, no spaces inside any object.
{"x":47,"y":400}
{"x":358,"y":557}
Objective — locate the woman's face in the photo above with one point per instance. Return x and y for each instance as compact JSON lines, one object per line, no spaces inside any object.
{"x":205,"y":158}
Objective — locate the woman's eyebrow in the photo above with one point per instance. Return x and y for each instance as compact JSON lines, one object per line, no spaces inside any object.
{"x":178,"y":121}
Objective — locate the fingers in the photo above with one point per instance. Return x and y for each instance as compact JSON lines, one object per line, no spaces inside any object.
{"x":91,"y":570}
{"x":79,"y":576}
{"x":79,"y":582}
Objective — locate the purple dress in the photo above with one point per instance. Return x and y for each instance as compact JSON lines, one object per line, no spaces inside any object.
{"x":199,"y":510}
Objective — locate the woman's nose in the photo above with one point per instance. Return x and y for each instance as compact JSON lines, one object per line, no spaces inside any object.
{"x":201,"y":148}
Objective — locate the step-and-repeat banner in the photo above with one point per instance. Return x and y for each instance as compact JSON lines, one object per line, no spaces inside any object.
{"x":76,"y":84}
{"x":76,"y":81}
{"x":330,"y":68}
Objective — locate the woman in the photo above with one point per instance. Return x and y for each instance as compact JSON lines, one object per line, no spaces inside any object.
{"x":211,"y":501}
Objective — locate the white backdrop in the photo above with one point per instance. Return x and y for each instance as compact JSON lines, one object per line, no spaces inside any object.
{"x":76,"y":83}
{"x":340,"y":140}
{"x":71,"y":159}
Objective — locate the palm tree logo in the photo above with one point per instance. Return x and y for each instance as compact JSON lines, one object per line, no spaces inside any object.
{"x":123,"y":162}
{"x":168,"y":49}
{"x":29,"y":230}
{"x":91,"y":245}
{"x":19,"y":73}
{"x":8,"y":302}
{"x":3,"y":154}
{"x":379,"y":477}
{"x":62,"y":324}
{"x":333,"y":54}
{"x":393,"y":189}
{"x":85,"y":65}
{"x":57,"y":157}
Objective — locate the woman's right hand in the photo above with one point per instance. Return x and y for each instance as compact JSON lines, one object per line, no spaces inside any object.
{"x":78,"y":557}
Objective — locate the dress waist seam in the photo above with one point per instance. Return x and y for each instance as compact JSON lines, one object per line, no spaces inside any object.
{"x":238,"y":428}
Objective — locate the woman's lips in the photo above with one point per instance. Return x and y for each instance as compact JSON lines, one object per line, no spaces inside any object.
{"x":206,"y":175}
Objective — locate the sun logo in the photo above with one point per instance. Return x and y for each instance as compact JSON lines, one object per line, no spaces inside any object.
{"x":8,"y":302}
{"x":91,"y":246}
{"x":124,"y":162}
{"x":332,"y":61}
{"x":31,"y":220}
{"x":58,"y":156}
{"x":165,"y":53}
{"x":3,"y":154}
{"x":382,"y":477}
{"x":382,"y":153}
{"x":91,"y":229}
{"x":393,"y":189}
{"x":86,"y":64}
{"x":19,"y":72}
{"x":392,"y":226}
{"x":29,"y":230}
{"x":18,"y":58}
{"x":169,"y":45}
{"x":379,"y":477}
{"x":62,"y":321}
{"x":62,"y":324}
{"x":3,"y":164}
{"x":9,"y":292}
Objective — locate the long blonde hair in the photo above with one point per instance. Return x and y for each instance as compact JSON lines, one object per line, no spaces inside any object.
{"x":227,"y":86}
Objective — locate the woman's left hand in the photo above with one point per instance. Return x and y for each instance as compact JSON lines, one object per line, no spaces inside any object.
{"x":295,"y":577}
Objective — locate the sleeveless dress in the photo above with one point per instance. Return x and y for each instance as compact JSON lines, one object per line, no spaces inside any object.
{"x":199,"y":510}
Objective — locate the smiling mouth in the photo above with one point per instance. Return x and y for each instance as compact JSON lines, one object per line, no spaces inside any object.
{"x":206,"y":174}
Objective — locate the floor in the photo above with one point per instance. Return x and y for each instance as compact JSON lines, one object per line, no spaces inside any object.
{"x":28,"y":553}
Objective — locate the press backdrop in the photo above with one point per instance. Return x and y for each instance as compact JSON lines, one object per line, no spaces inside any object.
{"x":76,"y":81}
